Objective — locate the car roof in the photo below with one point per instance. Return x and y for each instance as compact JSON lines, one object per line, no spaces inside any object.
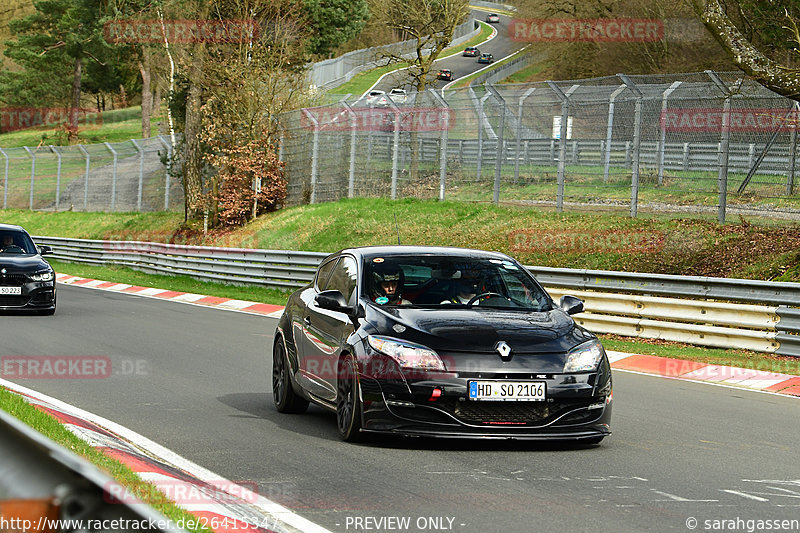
{"x":398,"y":250}
{"x":11,"y":227}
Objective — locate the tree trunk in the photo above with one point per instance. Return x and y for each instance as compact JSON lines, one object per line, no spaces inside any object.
{"x":192,"y":154}
{"x":147,"y":94}
{"x":156,"y":109}
{"x":72,"y":135}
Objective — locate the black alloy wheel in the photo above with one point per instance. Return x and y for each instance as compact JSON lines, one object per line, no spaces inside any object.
{"x":348,"y":401}
{"x":285,"y":398}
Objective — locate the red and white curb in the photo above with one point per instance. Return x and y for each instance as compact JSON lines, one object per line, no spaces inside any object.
{"x":215,"y":501}
{"x":757,"y":380}
{"x":228,"y":304}
{"x":729,"y":376}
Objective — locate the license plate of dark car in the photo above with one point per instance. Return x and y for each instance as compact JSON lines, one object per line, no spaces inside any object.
{"x":11,"y":290}
{"x":508,"y":391}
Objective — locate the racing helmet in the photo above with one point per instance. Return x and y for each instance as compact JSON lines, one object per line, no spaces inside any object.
{"x":388,"y":283}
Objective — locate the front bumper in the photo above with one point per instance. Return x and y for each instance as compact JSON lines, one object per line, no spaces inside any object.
{"x":35,"y":295}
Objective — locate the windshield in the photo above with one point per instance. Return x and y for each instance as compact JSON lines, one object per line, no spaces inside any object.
{"x":16,"y":242}
{"x":451,"y":282}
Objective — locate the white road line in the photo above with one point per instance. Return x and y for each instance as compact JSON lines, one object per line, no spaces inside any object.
{"x":745,"y":495}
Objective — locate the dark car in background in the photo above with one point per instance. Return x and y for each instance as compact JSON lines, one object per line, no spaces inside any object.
{"x":444,"y":74}
{"x":27,"y":281}
{"x":486,"y":58}
{"x":471,"y":51}
{"x":440,"y":342}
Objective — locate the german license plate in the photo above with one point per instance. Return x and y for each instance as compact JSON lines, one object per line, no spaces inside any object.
{"x":508,"y":391}
{"x":11,"y":290}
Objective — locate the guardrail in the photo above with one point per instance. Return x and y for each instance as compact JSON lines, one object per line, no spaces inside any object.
{"x":42,"y":483}
{"x":721,"y":312}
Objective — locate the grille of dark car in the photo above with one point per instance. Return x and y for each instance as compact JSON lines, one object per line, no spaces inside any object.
{"x":502,"y":412}
{"x":11,"y":280}
{"x":12,"y":301}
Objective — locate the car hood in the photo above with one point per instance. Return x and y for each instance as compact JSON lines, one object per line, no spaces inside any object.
{"x":22,"y":262}
{"x":479,"y":330}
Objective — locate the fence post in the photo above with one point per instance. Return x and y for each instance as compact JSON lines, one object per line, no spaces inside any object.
{"x":5,"y":180}
{"x":85,"y":177}
{"x":314,"y":156}
{"x":168,"y":171}
{"x":498,"y":166}
{"x":33,"y":173}
{"x":519,"y":131}
{"x":637,"y":138}
{"x":141,"y":174}
{"x":442,"y":142}
{"x":351,"y":175}
{"x":480,"y":134}
{"x":562,"y":144}
{"x":395,"y":147}
{"x":113,"y":177}
{"x":662,"y":141}
{"x":610,"y":131}
{"x":722,"y":175}
{"x":793,"y":151}
{"x":58,"y":174}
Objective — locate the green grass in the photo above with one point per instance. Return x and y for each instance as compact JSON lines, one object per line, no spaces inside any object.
{"x":360,"y":83}
{"x":54,"y":430}
{"x":525,"y":74}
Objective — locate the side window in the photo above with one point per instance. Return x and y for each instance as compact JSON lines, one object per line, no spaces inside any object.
{"x":323,"y":273}
{"x":343,"y":279}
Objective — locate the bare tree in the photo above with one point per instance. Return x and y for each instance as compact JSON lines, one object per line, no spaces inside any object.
{"x":730,"y":25}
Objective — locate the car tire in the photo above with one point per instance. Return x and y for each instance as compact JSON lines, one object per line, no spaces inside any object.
{"x":348,"y":401}
{"x":285,"y":398}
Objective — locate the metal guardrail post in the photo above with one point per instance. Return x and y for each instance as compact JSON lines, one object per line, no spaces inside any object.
{"x":168,"y":146}
{"x":5,"y":180}
{"x":351,"y":175}
{"x":663,"y":139}
{"x":58,"y":174}
{"x":479,"y":108}
{"x":637,"y":139}
{"x":498,"y":166}
{"x":314,"y":156}
{"x":519,"y":131}
{"x":88,"y":159}
{"x":141,"y":174}
{"x":610,"y":131}
{"x":562,"y":145}
{"x":724,"y":144}
{"x":442,"y":142}
{"x":33,"y":173}
{"x":113,"y":177}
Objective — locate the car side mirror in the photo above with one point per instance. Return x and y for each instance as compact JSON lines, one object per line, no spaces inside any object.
{"x":45,"y":250}
{"x":333,"y":301}
{"x":571,"y":304}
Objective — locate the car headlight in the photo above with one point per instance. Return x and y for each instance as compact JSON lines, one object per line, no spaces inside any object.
{"x":584,"y":358}
{"x":46,"y":275}
{"x":407,"y":354}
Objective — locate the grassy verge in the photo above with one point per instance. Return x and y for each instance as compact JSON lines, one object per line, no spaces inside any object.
{"x":360,"y":83}
{"x":54,"y":430}
{"x":521,"y":76}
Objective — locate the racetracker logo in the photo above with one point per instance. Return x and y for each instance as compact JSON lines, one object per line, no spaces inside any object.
{"x":20,"y":118}
{"x":181,"y":31}
{"x":418,"y":119}
{"x":182,"y":492}
{"x":55,"y":367}
{"x":586,"y":30}
{"x":741,"y":120}
{"x":125,"y":242}
{"x":624,"y":241}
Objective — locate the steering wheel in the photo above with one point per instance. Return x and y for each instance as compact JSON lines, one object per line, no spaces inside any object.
{"x":13,"y":249}
{"x":482,"y":295}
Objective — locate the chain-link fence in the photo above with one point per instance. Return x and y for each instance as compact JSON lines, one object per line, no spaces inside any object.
{"x":134,"y":175}
{"x":705,"y":143}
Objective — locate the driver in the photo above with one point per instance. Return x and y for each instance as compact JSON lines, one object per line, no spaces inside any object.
{"x":388,"y":286}
{"x":468,"y":286}
{"x":8,"y":240}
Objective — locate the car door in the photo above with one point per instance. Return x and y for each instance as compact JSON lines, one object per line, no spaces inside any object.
{"x":326,"y":331}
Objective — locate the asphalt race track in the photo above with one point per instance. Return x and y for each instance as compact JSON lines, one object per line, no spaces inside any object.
{"x":500,"y":47}
{"x":197,"y":380}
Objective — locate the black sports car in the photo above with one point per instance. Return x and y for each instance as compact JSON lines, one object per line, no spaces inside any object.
{"x":27,"y":282}
{"x":486,"y":58}
{"x":444,"y":74}
{"x":444,"y":342}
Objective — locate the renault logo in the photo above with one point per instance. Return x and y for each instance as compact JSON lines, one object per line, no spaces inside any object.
{"x":3,"y":271}
{"x":504,"y":350}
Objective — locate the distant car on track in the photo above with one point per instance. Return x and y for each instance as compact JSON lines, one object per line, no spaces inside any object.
{"x":444,"y":74}
{"x":398,"y":96}
{"x":471,"y":51}
{"x":27,"y":281}
{"x":493,"y":18}
{"x":377,"y":98}
{"x":439,"y":342}
{"x":486,"y":58}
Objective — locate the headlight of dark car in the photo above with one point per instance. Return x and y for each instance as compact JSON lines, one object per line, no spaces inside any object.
{"x":44,"y":275}
{"x":584,"y":358}
{"x":407,"y":354}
